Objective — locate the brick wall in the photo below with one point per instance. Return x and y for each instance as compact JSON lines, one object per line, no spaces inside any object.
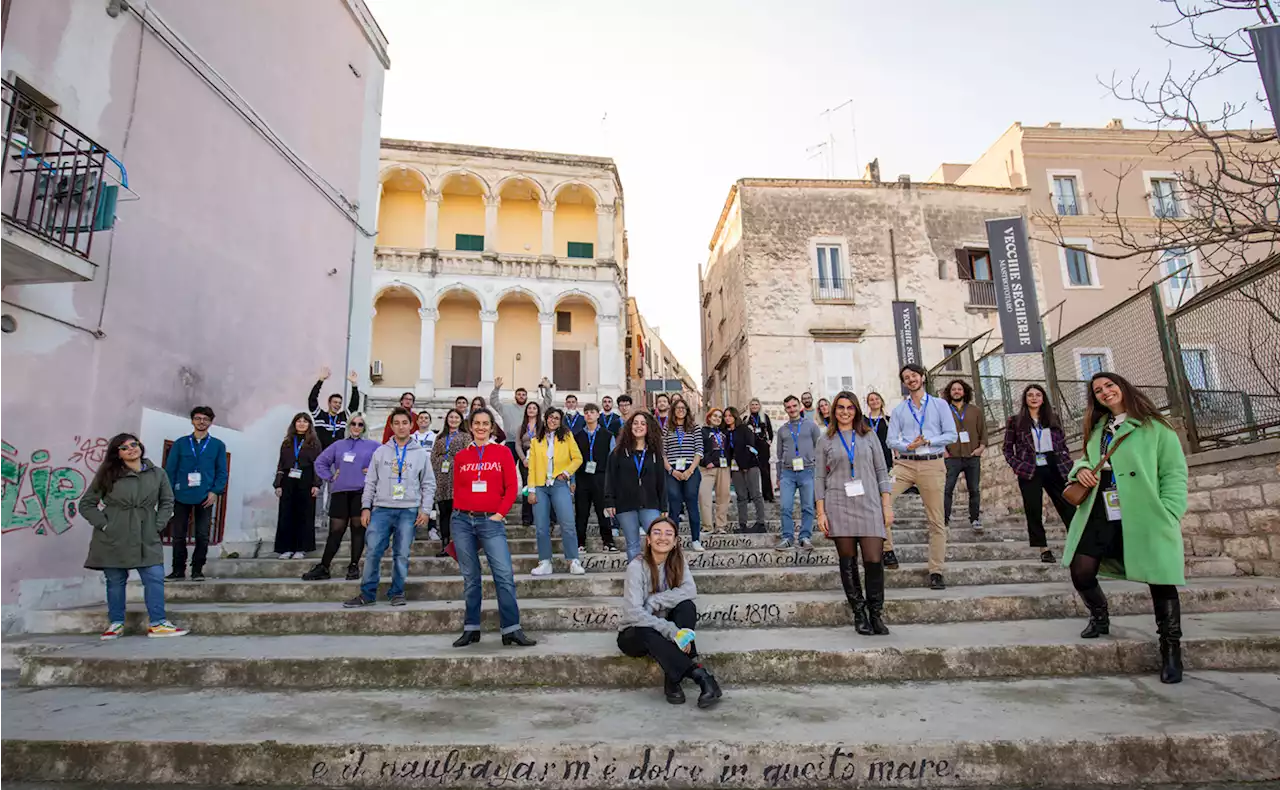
{"x":1232,"y":525}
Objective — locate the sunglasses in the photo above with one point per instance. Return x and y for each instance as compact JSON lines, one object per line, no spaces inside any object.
{"x":129,"y":445}
{"x":358,"y":424}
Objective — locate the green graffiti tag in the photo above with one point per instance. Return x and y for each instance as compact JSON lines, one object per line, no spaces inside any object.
{"x":48,"y":505}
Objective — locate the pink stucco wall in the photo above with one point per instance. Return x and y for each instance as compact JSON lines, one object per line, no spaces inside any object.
{"x":219,"y":287}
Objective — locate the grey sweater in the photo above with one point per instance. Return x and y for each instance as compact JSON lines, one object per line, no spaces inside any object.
{"x":418,"y":479}
{"x":809,"y":435}
{"x":642,"y":607}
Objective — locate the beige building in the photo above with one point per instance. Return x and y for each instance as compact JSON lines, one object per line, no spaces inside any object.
{"x":1072,"y":175}
{"x":496,"y":263}
{"x":796,"y":293}
{"x":649,"y":358}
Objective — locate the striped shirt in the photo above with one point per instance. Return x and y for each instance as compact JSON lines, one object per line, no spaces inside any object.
{"x":680,"y":444}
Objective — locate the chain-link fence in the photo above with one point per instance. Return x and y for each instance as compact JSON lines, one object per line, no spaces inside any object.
{"x":1214,"y":364}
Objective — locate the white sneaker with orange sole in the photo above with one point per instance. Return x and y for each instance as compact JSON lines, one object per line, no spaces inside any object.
{"x":164,"y":629}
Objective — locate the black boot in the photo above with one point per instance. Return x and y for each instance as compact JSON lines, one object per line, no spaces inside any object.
{"x":315,"y":574}
{"x":467,"y":638}
{"x":1169,"y":626}
{"x":1099,"y":618}
{"x":853,"y":592}
{"x":517,"y":637}
{"x":353,"y":572}
{"x":706,"y":681}
{"x":675,"y":694}
{"x":875,"y":597}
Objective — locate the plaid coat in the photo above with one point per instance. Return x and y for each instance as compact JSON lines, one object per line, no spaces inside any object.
{"x":1020,"y":451}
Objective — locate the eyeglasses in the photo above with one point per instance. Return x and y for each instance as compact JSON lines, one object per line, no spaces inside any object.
{"x":358,"y":424}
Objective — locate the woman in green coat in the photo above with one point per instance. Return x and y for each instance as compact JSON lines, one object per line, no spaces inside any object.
{"x":1129,"y":526}
{"x":128,"y":503}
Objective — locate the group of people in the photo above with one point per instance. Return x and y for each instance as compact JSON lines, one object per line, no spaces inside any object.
{"x":641,"y":472}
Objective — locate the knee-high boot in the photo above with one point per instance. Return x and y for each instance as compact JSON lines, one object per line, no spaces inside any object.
{"x":1099,"y":617}
{"x":1169,"y":626}
{"x":853,"y":591}
{"x":875,"y":597}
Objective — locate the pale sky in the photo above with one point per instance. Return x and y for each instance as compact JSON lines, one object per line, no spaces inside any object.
{"x":701,"y":93}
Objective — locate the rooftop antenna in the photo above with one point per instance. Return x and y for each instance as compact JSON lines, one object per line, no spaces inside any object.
{"x":853,"y":133}
{"x":820,"y":150}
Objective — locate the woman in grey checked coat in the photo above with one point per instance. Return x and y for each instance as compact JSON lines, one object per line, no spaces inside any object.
{"x":851,"y":488}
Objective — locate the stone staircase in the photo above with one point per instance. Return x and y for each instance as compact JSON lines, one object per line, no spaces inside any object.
{"x":983,"y":684}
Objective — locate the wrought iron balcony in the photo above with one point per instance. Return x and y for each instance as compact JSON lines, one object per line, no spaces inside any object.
{"x":982,"y":293}
{"x":55,"y":198}
{"x":829,"y":289}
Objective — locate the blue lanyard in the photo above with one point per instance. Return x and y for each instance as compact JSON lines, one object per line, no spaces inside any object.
{"x":959,"y":414}
{"x":591,"y":444}
{"x":718,"y":438}
{"x":333,"y":421}
{"x":297,"y":448}
{"x":680,"y":440}
{"x":795,"y":437}
{"x":480,"y":459}
{"x":203,"y":444}
{"x":448,"y":440}
{"x":875,"y":424}
{"x":402,"y":453}
{"x":640,"y":464}
{"x":924,"y":412}
{"x":532,"y":429}
{"x":730,"y":435}
{"x":1038,"y":430}
{"x":849,"y":448}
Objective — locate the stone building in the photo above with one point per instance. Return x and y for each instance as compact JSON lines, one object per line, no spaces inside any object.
{"x":496,"y":263}
{"x":650,"y":359}
{"x":796,"y":293}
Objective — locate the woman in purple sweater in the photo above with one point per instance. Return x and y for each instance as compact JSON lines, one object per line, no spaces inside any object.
{"x":344,"y":464}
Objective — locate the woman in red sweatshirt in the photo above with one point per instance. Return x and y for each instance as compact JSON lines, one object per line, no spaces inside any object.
{"x":485,"y":486}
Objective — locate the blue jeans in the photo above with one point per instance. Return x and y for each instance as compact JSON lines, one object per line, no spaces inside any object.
{"x":152,"y":590}
{"x":555,"y":495}
{"x":382,"y":522}
{"x":631,"y":522}
{"x":787,"y":485}
{"x":683,"y":494}
{"x":470,"y":534}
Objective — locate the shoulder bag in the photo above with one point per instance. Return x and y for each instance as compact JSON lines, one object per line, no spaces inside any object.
{"x":1075,"y":493}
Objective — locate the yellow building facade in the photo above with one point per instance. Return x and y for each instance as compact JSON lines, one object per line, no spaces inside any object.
{"x":496,"y":263}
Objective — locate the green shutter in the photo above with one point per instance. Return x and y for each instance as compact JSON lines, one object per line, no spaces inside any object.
{"x":581,"y":249}
{"x":467,"y":242}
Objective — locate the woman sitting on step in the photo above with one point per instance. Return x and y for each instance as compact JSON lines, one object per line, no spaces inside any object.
{"x":658,"y":615}
{"x":1129,"y":526}
{"x":853,"y":493}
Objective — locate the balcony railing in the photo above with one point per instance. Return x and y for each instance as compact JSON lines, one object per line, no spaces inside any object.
{"x":1067,"y":207}
{"x":53,"y":176}
{"x":827,"y":289}
{"x":502,"y":264}
{"x":982,"y":293}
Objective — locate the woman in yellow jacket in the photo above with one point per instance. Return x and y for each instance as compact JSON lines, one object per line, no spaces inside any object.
{"x":553,"y":458}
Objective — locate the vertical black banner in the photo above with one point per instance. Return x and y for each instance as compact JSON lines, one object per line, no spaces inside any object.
{"x":1266,"y":47}
{"x":906,"y":329}
{"x":1015,"y":286}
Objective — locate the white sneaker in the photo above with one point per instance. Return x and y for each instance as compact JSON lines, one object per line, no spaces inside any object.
{"x":977,"y":525}
{"x":575,"y":567}
{"x":285,"y":555}
{"x":544,"y":569}
{"x":696,"y":546}
{"x":433,"y":534}
{"x":299,"y":555}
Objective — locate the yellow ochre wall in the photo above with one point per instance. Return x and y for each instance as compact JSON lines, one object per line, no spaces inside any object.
{"x":460,"y":214}
{"x":397,"y":334}
{"x":519,"y":227}
{"x":517,"y":332}
{"x":402,"y":220}
{"x":575,"y":222}
{"x":459,"y":324}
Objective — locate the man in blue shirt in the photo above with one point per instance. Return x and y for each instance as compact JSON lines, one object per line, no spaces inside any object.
{"x":197,"y":469}
{"x":920,"y":429}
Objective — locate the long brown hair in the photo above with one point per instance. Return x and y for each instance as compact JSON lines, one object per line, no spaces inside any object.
{"x":673,"y":567}
{"x":1136,"y":405}
{"x":113,"y":467}
{"x":860,"y":426}
{"x":309,"y":439}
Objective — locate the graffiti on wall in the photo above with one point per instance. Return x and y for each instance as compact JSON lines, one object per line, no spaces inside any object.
{"x":42,"y":497}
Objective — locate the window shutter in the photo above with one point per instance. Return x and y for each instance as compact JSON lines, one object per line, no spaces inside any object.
{"x":963,"y":267}
{"x":467,"y":242}
{"x":581,"y":249}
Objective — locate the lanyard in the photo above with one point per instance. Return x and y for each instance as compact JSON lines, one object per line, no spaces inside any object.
{"x":297,"y":448}
{"x":718,"y":438}
{"x":480,"y":458}
{"x":203,"y":444}
{"x":959,"y":414}
{"x":680,"y":440}
{"x":795,"y":437}
{"x":533,"y":430}
{"x":924,"y":412}
{"x":402,"y":453}
{"x":333,"y":421}
{"x":662,"y":424}
{"x":875,"y":424}
{"x":849,"y":448}
{"x":640,"y":464}
{"x":591,"y":444}
{"x":448,"y":440}
{"x":730,"y":434}
{"x":1038,"y":430}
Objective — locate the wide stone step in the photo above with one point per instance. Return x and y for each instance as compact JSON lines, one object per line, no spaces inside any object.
{"x":1127,"y":730}
{"x":1037,"y":648}
{"x":821,"y":608}
{"x":778,"y":578}
{"x":617,"y":562}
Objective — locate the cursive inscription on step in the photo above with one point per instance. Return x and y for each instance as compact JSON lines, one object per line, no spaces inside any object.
{"x":653,"y":767}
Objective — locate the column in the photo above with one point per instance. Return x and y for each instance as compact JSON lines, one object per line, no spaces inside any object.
{"x":546,"y":323}
{"x":431,"y":200}
{"x":491,"y":203}
{"x":607,"y":340}
{"x":604,"y":232}
{"x":426,"y":387}
{"x":548,"y":228}
{"x":488,"y":322}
